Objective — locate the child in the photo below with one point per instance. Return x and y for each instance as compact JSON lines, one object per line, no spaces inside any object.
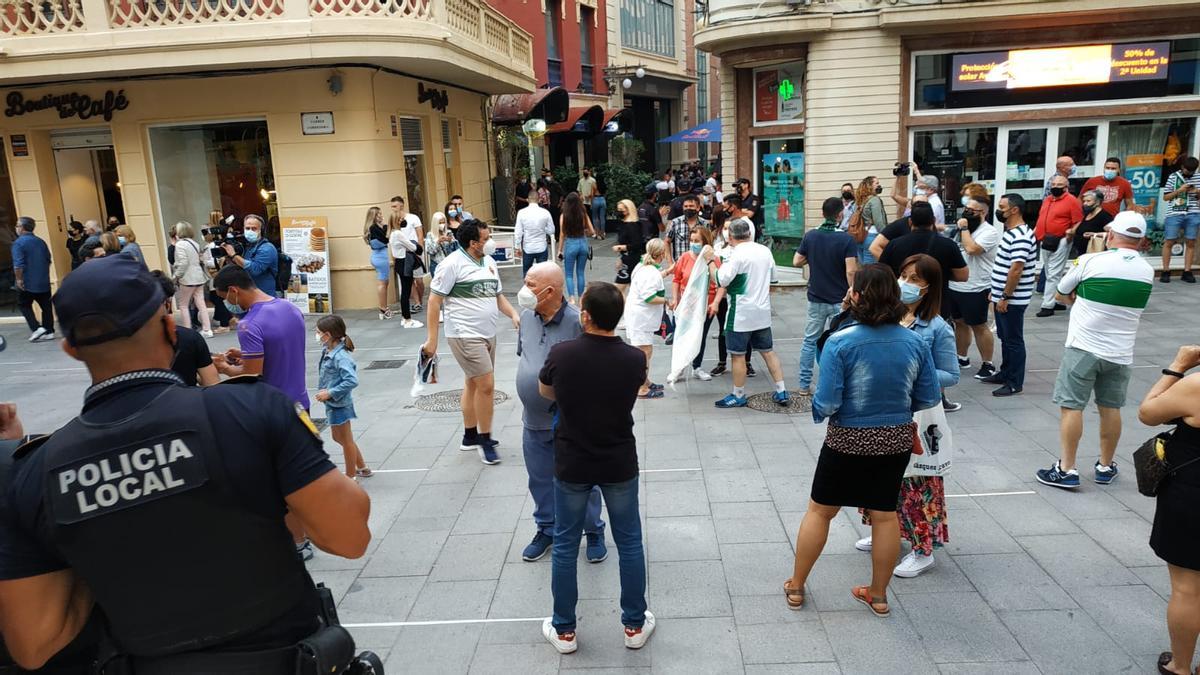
{"x":338,"y":377}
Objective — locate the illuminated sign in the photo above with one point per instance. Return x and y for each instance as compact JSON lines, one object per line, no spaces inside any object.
{"x":1060,"y":66}
{"x":786,"y":90}
{"x":777,"y":97}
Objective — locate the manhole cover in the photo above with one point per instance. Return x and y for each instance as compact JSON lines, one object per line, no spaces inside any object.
{"x":448,"y":401}
{"x":385,"y":365}
{"x":801,"y":403}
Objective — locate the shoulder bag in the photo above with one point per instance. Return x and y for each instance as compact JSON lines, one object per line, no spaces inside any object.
{"x":1151,"y":466}
{"x":857,"y":227}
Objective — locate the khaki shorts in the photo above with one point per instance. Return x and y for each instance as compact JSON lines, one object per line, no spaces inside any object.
{"x":476,"y":356}
{"x":1082,"y":373}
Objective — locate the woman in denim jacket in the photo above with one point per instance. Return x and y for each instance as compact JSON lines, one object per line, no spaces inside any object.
{"x":875,"y":374}
{"x":337,"y":378}
{"x":922,"y":506}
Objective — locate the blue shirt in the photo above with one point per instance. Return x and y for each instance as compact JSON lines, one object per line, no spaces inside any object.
{"x":940,"y":337}
{"x":338,"y":374}
{"x":31,"y":254}
{"x":534,"y":341}
{"x":874,"y":376}
{"x":262,"y":263}
{"x":826,"y":251}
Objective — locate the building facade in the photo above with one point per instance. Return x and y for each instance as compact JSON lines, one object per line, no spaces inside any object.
{"x":819,"y":94}
{"x":155,"y":112}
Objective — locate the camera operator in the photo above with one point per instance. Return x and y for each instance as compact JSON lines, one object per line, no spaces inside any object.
{"x":126,"y":505}
{"x":260,"y":258}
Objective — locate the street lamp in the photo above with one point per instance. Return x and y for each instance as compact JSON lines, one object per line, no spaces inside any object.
{"x":534,"y":129}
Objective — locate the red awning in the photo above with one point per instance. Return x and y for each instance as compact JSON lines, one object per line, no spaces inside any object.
{"x":548,"y":104}
{"x":585,"y":120}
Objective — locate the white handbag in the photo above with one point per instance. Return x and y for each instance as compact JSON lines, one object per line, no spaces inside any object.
{"x":935,"y":443}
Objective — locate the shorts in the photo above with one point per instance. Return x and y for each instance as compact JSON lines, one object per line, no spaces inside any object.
{"x":380,"y":260}
{"x":340,"y":415}
{"x":1188,"y":222}
{"x":969,"y":306}
{"x":738,"y":343}
{"x":1081,"y":373}
{"x":639,"y":338}
{"x":475,"y":355}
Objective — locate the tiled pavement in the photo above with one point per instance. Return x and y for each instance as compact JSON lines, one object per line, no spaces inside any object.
{"x":1033,"y":580}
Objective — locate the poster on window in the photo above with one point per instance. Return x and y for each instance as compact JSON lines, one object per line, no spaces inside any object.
{"x":783,"y":194}
{"x":777,"y":97}
{"x":1144,"y":173}
{"x":306,"y":241}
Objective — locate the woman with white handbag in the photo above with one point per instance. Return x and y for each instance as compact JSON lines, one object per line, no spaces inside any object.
{"x":922,"y":504}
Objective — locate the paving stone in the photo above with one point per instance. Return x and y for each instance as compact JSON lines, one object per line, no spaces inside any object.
{"x":793,"y":642}
{"x":688,"y":589}
{"x":437,"y":649}
{"x":736,"y":485}
{"x":380,"y":600}
{"x":695,"y":647}
{"x":507,"y":659}
{"x":1076,"y":560}
{"x":864,"y":643}
{"x":681,"y":538}
{"x":1044,"y":633}
{"x":1132,"y":615}
{"x":1013,"y":581}
{"x":1156,"y":577}
{"x":483,"y":515}
{"x":975,"y":531}
{"x":679,"y":498}
{"x":453,"y":600}
{"x":471,"y":557}
{"x":1127,"y":539}
{"x":602,"y":638}
{"x":747,"y":523}
{"x":756,"y":569}
{"x":1008,"y":668}
{"x":792,"y":669}
{"x":1023,"y":515}
{"x":959,"y":626}
{"x":523,"y":591}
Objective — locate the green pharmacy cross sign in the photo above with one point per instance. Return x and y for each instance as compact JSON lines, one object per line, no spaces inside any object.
{"x":786,"y":90}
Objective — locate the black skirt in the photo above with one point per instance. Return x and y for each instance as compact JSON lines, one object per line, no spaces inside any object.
{"x":1176,"y":534}
{"x":849,"y":476}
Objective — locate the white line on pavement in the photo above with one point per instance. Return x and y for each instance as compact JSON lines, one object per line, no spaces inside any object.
{"x":397,"y":470}
{"x":15,"y":363}
{"x":1055,"y":370}
{"x":399,"y":624}
{"x":993,"y":494}
{"x":669,"y":470}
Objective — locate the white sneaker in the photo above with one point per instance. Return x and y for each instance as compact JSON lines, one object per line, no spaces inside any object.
{"x":863,"y":544}
{"x":635,"y":638}
{"x":33,"y":337}
{"x":206,"y":333}
{"x":913,"y":565}
{"x":46,"y":337}
{"x":565,"y":644}
{"x":701,"y":374}
{"x":411,"y":323}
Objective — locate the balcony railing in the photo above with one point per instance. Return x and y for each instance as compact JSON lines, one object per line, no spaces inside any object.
{"x":23,"y":17}
{"x":158,"y":13}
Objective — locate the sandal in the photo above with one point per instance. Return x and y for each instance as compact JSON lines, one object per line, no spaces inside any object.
{"x":365,"y":472}
{"x":794,"y":596}
{"x":653,"y":393}
{"x":863,"y":595}
{"x":1165,"y":658}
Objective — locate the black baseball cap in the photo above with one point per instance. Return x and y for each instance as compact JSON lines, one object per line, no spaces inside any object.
{"x":116,"y":290}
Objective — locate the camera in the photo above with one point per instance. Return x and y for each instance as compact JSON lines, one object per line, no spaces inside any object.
{"x":223,"y":235}
{"x":902,"y":169}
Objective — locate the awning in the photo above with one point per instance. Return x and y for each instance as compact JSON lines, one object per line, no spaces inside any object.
{"x":547,"y":104}
{"x":709,"y":132}
{"x":585,"y":121}
{"x":618,"y":120}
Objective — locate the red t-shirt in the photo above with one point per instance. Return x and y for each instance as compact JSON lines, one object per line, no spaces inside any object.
{"x":1114,"y":191}
{"x":683,"y":272}
{"x":1058,"y":215}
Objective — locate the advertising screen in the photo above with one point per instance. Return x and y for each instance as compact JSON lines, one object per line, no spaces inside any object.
{"x":1060,"y":66}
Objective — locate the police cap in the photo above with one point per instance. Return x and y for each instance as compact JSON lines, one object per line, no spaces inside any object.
{"x":116,"y":291}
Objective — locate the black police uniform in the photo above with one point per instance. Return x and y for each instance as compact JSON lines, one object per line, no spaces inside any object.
{"x":650,"y":219}
{"x":753,"y":202}
{"x":168,"y":501}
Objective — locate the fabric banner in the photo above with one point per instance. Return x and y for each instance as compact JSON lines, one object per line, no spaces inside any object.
{"x":931,"y":457}
{"x":306,"y":240}
{"x":689,"y":320}
{"x":783,"y":194}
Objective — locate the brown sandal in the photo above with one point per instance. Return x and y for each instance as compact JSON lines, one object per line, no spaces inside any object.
{"x":863,"y":595}
{"x":794,"y":596}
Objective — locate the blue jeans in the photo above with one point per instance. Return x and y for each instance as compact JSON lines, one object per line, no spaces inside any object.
{"x":818,"y":316}
{"x":539,"y":463}
{"x":575,"y":252}
{"x":530,"y":259}
{"x":1010,"y":328}
{"x":599,"y":214}
{"x":570,"y":505}
{"x":864,"y":251}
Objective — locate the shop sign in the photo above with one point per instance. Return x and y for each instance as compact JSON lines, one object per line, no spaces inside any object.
{"x":438,"y":99}
{"x":777,"y":93}
{"x":20,"y":147}
{"x":783,"y":194}
{"x":306,"y":241}
{"x":69,"y":105}
{"x":316,"y":123}
{"x":1144,"y":173}
{"x":1059,"y":66}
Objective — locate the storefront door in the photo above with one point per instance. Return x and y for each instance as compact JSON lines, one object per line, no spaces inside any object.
{"x":1029,"y":154}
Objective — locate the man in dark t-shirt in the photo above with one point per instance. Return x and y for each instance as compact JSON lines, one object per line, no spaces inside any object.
{"x":594,"y":380}
{"x":193,"y":362}
{"x":832,"y":258}
{"x":924,"y":239}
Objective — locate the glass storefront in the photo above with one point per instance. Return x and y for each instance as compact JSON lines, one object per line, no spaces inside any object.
{"x":224,"y":166}
{"x":780,"y":169}
{"x":8,"y":234}
{"x":957,"y":157}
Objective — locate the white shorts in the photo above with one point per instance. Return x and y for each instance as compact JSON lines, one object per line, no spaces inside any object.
{"x":640,"y":338}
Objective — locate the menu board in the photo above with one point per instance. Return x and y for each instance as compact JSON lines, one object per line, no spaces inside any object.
{"x":1060,"y":66}
{"x":306,"y":241}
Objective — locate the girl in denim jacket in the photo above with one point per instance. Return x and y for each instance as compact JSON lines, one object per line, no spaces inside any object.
{"x":338,"y":376}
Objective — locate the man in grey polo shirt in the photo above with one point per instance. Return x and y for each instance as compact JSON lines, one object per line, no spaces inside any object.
{"x":546,"y":320}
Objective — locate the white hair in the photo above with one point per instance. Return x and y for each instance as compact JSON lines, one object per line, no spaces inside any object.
{"x":739,"y":229}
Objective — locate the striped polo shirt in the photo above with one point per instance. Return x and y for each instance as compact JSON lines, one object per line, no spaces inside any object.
{"x":1016,"y":245}
{"x":1111,"y":290}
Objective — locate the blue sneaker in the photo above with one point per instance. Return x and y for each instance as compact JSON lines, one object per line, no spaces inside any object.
{"x":732,"y":401}
{"x":1056,"y":477}
{"x":538,"y":547}
{"x":781,"y":397}
{"x":1106,"y":474}
{"x":596,"y":550}
{"x":487,"y":452}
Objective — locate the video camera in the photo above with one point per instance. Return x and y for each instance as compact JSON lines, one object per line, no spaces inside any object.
{"x":223,"y":234}
{"x":902,"y":169}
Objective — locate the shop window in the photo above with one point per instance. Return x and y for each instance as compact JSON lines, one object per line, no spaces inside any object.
{"x":649,"y":25}
{"x":1019,"y":76}
{"x":780,"y":163}
{"x":1079,"y":143}
{"x":554,"y":66}
{"x":702,"y":99}
{"x":8,"y":234}
{"x":778,"y":97}
{"x":1151,"y":150}
{"x":412,"y":140}
{"x":223,"y":166}
{"x":587,"y":72}
{"x":957,"y":157}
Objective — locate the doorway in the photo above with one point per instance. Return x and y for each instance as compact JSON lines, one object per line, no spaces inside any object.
{"x":87,"y":175}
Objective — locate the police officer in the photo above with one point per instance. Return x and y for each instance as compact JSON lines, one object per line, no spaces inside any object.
{"x":165,"y":504}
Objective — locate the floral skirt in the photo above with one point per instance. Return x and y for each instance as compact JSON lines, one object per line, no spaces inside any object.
{"x":922,"y":513}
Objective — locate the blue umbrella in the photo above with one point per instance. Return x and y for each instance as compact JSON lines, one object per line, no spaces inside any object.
{"x":709,"y":132}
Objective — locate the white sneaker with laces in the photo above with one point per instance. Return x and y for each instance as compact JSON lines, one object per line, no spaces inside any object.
{"x":411,"y":323}
{"x":37,"y":334}
{"x":701,"y":374}
{"x":863,"y":544}
{"x":206,"y":333}
{"x":635,"y":638}
{"x":46,"y":337}
{"x":913,"y":565}
{"x":565,"y":644}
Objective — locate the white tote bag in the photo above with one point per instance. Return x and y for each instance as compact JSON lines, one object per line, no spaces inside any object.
{"x":690,"y":312}
{"x":935,"y":441}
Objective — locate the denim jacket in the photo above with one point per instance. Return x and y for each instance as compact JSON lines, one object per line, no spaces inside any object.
{"x":874,"y":377}
{"x":338,"y":375}
{"x":940,"y":337}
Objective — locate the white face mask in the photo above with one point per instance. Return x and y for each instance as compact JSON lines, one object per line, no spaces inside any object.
{"x":526,"y":298}
{"x":489,"y":246}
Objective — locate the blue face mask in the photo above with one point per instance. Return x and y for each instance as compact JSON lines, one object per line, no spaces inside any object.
{"x":234,"y":309}
{"x":252,"y":236}
{"x":453,"y":213}
{"x":964,"y":200}
{"x":909,"y":293}
{"x":1109,"y":174}
{"x":121,"y":240}
{"x":696,"y":248}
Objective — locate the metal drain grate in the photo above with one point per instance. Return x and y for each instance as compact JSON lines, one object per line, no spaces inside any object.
{"x":800,"y":404}
{"x":449,"y":401}
{"x":385,"y":365}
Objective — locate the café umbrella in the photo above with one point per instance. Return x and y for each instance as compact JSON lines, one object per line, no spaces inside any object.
{"x":709,"y":132}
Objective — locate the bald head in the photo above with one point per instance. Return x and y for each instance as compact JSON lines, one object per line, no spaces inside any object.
{"x":1064,"y":165}
{"x":545,"y":280}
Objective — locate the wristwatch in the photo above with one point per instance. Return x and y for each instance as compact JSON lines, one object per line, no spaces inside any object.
{"x":1007,"y":297}
{"x":1172,"y":373}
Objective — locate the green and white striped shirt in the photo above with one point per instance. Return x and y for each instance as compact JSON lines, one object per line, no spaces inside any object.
{"x":470,"y":288}
{"x":1111,"y":290}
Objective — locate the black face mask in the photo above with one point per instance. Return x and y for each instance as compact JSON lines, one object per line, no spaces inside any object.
{"x":1057,"y":191}
{"x":878,"y":189}
{"x":973,"y":221}
{"x":690,"y":213}
{"x":847,"y":195}
{"x":1000,"y":217}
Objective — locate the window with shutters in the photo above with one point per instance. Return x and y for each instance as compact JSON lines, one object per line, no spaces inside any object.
{"x":648,"y":25}
{"x":412,"y":141}
{"x":554,"y":64}
{"x":448,"y":134}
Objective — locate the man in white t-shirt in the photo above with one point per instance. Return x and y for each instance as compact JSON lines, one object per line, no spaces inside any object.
{"x":928,"y":186}
{"x":404,"y":247}
{"x":467,"y":284}
{"x":969,"y":300}
{"x":747,"y":276}
{"x":1107,"y":293}
{"x":533,"y":226}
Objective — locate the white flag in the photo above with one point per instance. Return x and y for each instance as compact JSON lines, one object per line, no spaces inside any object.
{"x":689,"y":320}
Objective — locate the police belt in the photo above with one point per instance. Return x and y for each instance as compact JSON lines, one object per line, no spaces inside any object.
{"x":329,"y":650}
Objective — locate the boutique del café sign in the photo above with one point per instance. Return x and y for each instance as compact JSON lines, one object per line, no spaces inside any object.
{"x":72,"y":104}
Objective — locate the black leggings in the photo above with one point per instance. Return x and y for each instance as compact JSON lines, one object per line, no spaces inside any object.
{"x":406,"y":284}
{"x":220,"y":313}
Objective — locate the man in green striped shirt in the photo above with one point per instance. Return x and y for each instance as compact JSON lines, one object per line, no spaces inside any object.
{"x":1107,"y":292}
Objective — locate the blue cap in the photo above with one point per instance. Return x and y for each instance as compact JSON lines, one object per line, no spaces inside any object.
{"x":117,"y":291}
